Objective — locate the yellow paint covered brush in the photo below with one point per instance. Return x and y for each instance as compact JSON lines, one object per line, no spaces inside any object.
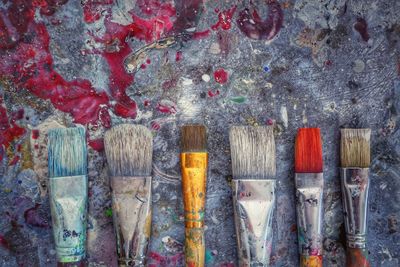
{"x":194,"y":175}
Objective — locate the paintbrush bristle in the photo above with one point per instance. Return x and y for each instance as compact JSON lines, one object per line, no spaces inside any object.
{"x":67,"y":152}
{"x":252,"y":152}
{"x":129,"y":150}
{"x":308,"y":151}
{"x":355,"y":148}
{"x":194,"y":138}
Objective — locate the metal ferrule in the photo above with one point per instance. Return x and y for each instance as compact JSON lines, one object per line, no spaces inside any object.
{"x":68,"y":205}
{"x":131,"y":204}
{"x":253,"y":203}
{"x":355,"y":184}
{"x":309,"y":191}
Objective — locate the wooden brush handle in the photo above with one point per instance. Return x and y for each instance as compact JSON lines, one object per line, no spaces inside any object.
{"x":357,"y":257}
{"x":194,"y":173}
{"x":311,"y":261}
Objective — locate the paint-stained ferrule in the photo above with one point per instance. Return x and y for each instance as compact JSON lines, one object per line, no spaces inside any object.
{"x":68,"y":204}
{"x":355,"y":184}
{"x":253,"y":203}
{"x":309,"y":193}
{"x":194,"y":177}
{"x":131,"y":205}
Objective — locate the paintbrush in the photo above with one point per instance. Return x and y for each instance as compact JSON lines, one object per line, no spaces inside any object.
{"x":355,"y":161}
{"x":68,"y":188}
{"x":129,"y":152}
{"x":309,"y":191}
{"x":194,"y":159}
{"x":253,"y":170}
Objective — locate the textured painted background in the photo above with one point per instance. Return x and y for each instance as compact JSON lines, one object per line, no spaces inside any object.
{"x":288,"y":63}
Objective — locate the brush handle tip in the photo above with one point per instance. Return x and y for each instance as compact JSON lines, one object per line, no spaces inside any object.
{"x":357,"y":257}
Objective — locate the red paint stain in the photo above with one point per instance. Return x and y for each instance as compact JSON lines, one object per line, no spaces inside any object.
{"x":30,"y":65}
{"x":4,"y":243}
{"x":221,"y":76}
{"x":9,"y":131}
{"x":32,"y":217}
{"x":269,"y":122}
{"x":14,"y":161}
{"x":17,"y":115}
{"x":250,"y":23}
{"x":148,"y":61}
{"x":212,"y":94}
{"x":201,"y":35}
{"x":157,"y":260}
{"x":361,"y":27}
{"x":35,"y":134}
{"x":328,"y":63}
{"x":154,"y":7}
{"x":143,"y":66}
{"x":97,"y":144}
{"x":178,"y":56}
{"x":93,"y":9}
{"x":169,"y":84}
{"x":166,"y":108}
{"x":224,"y":19}
{"x":155,"y":125}
{"x":146,"y":103}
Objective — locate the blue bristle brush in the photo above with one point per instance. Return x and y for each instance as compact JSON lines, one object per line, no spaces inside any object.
{"x":68,"y":190}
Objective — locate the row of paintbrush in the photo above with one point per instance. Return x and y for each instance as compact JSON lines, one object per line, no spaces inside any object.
{"x":128,"y":150}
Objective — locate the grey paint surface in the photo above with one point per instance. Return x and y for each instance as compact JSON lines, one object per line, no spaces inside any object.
{"x":321,"y":73}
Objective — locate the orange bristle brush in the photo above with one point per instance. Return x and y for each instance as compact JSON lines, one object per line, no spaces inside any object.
{"x":309,"y":190}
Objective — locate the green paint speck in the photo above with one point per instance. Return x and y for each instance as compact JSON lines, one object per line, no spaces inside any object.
{"x":108,"y":212}
{"x":209,"y":257}
{"x":238,"y":99}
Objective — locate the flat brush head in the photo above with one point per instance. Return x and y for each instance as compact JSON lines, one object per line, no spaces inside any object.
{"x":67,"y":153}
{"x":252,"y":152}
{"x":129,"y":150}
{"x":308,"y":151}
{"x":194,"y":138}
{"x":355,"y":148}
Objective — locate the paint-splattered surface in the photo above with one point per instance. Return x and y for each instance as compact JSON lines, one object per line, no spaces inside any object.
{"x":165,"y":63}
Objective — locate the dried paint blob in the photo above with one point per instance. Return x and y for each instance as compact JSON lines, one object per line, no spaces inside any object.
{"x":251,"y":24}
{"x":206,"y":78}
{"x":224,"y":19}
{"x":362,"y":27}
{"x":221,"y":76}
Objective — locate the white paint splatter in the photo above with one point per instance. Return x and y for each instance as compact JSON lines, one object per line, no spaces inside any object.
{"x":284,"y":116}
{"x":206,"y":78}
{"x":186,"y":81}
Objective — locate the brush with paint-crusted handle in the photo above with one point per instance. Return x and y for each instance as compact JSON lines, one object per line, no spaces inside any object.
{"x":354,"y":173}
{"x":309,"y":191}
{"x":68,"y":193}
{"x":253,"y":170}
{"x":129,"y":152}
{"x":194,"y":161}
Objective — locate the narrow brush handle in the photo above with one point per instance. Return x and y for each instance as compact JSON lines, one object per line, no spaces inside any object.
{"x":310,"y":261}
{"x":194,"y":176}
{"x":357,"y":257}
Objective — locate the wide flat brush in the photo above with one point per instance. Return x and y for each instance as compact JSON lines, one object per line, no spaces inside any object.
{"x":129,"y":151}
{"x":355,"y":161}
{"x":68,"y":192}
{"x":309,"y":191}
{"x":253,"y":170}
{"x":194,"y":161}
